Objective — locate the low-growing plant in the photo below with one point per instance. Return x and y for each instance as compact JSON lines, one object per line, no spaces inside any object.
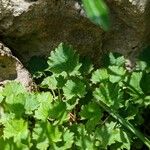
{"x":77,"y":107}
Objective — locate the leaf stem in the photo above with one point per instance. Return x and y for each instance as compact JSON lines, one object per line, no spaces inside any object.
{"x":53,"y":93}
{"x":59,"y":94}
{"x":125,"y":123}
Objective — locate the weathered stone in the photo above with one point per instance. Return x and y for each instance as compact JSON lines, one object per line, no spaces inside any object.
{"x":39,"y":26}
{"x":130,"y":26}
{"x":12,"y":69}
{"x":35,"y":27}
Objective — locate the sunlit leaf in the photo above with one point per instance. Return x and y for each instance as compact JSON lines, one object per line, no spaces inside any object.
{"x":18,"y":129}
{"x":62,"y":59}
{"x":74,"y":88}
{"x":100,"y":75}
{"x":109,"y":134}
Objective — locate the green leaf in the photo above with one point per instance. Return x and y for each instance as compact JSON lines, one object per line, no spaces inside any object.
{"x":45,"y":97}
{"x":31,"y":103}
{"x":99,"y":75}
{"x":54,"y":82}
{"x":62,"y":59}
{"x":145,"y":83}
{"x":116,"y":60}
{"x":92,"y":113}
{"x":71,"y":103}
{"x":61,"y":80}
{"x":91,"y":110}
{"x":147,"y":100}
{"x":13,"y":88}
{"x":67,"y":140}
{"x":42,"y":112}
{"x":110,"y":94}
{"x":46,"y":134}
{"x":98,"y":13}
{"x":1,"y":94}
{"x":47,"y":123}
{"x":116,"y":73}
{"x":15,"y":104}
{"x":40,"y":135}
{"x":74,"y":88}
{"x":135,"y":80}
{"x":1,"y":98}
{"x":141,"y":65}
{"x":8,"y":144}
{"x":18,"y":129}
{"x":134,"y":83}
{"x":54,"y":133}
{"x":58,"y":113}
{"x":22,"y":103}
{"x":15,"y":99}
{"x":50,"y":82}
{"x":45,"y":100}
{"x":109,"y":134}
{"x":6,"y":117}
{"x":130,"y":112}
{"x":83,"y":140}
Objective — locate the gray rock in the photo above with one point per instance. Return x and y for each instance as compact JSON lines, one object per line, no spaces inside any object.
{"x":130,"y":26}
{"x":35,"y":27}
{"x":12,"y":69}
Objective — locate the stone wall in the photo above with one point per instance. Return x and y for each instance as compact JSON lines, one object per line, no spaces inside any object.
{"x":35,"y":27}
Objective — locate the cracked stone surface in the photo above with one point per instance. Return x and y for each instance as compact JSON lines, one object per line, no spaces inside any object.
{"x":35,"y":27}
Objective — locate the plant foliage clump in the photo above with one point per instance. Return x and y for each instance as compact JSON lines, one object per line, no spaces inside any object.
{"x":77,"y":106}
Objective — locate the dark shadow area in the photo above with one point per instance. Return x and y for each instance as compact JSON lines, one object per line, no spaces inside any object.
{"x":37,"y":64}
{"x":145,"y":55}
